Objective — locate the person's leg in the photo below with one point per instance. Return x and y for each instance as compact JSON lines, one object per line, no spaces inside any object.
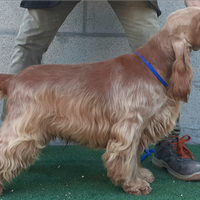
{"x":36,"y":32}
{"x":140,"y":22}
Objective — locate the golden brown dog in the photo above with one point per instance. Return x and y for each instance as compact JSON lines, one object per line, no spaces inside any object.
{"x":116,"y":104}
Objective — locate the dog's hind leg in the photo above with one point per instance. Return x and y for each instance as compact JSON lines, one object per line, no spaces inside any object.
{"x":120,"y":157}
{"x":17,"y":151}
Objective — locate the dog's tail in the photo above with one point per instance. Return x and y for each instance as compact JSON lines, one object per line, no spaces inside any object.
{"x":4,"y":81}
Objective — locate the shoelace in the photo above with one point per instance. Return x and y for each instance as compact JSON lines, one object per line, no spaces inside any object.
{"x":180,"y":147}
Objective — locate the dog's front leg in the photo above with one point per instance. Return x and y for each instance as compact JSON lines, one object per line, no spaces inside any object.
{"x":120,"y":157}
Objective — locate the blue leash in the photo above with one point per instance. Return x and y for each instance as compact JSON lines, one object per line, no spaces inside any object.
{"x":153,"y":70}
{"x":148,"y":151}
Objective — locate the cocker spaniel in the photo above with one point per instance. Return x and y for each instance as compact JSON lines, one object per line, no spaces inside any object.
{"x":118,"y":104}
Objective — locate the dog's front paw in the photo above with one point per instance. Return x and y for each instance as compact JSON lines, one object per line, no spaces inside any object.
{"x":146,"y":175}
{"x":138,"y":188}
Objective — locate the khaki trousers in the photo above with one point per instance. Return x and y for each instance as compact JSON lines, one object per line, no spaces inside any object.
{"x":39,"y":27}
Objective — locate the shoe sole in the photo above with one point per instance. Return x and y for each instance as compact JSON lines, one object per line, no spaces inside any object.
{"x":161,"y":164}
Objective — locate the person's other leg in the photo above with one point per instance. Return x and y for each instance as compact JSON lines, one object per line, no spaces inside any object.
{"x":36,"y":32}
{"x":140,"y":22}
{"x":177,"y":128}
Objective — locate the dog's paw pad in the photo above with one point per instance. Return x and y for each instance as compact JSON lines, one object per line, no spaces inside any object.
{"x":146,"y":191}
{"x":134,"y":192}
{"x":147,"y":175}
{"x":142,"y":189}
{"x":150,"y":179}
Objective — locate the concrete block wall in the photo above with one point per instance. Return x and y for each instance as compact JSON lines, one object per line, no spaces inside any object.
{"x":92,"y":33}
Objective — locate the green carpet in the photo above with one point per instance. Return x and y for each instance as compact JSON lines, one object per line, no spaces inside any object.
{"x":78,"y":173}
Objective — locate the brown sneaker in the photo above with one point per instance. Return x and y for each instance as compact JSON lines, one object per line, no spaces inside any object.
{"x":173,"y":155}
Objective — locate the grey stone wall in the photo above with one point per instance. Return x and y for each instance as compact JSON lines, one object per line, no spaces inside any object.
{"x":92,"y":33}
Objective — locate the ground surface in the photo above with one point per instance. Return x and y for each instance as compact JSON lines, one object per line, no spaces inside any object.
{"x":78,"y":173}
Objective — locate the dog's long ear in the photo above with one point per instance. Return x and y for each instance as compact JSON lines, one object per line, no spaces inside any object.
{"x":180,"y":81}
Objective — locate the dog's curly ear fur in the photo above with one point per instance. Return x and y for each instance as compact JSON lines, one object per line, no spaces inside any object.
{"x":180,"y":81}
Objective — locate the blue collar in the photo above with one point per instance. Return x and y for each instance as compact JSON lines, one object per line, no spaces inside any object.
{"x":153,"y":70}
